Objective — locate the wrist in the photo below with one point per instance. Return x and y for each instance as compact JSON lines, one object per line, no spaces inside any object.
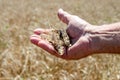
{"x":104,"y":39}
{"x":94,"y":39}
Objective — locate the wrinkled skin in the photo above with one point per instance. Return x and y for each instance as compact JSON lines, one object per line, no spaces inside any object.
{"x":76,"y":29}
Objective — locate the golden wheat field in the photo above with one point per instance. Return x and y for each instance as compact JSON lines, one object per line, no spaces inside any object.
{"x":21,"y":60}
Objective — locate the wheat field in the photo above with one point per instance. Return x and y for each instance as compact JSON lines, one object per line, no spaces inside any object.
{"x":21,"y":60}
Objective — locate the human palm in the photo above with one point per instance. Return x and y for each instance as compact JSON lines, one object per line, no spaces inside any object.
{"x":77,"y":33}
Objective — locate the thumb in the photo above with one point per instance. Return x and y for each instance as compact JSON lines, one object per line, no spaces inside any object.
{"x":64,"y":16}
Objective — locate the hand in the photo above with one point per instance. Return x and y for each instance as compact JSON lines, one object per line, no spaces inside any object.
{"x":77,"y":30}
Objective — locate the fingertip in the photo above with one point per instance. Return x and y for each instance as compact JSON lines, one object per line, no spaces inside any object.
{"x":60,"y":10}
{"x":60,"y":13}
{"x":42,"y":31}
{"x":38,"y":31}
{"x":34,"y":39}
{"x":64,"y":16}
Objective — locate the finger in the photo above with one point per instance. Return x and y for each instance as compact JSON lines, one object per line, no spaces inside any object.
{"x":34,"y":39}
{"x":64,"y":16}
{"x":40,"y":31}
{"x":43,"y":44}
{"x":48,"y":47}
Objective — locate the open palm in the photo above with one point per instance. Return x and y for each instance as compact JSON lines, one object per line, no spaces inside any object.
{"x":78,"y":35}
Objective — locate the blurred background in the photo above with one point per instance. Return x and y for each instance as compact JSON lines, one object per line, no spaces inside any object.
{"x":21,"y":60}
